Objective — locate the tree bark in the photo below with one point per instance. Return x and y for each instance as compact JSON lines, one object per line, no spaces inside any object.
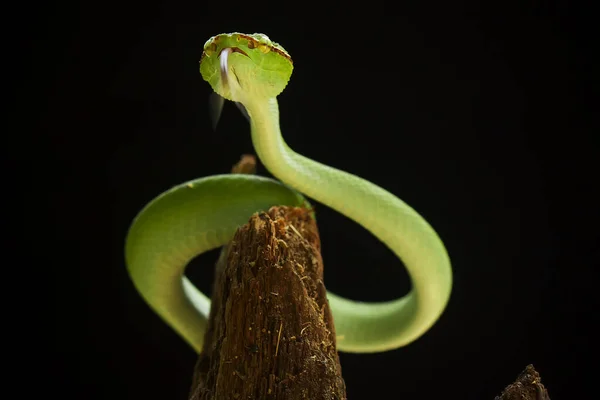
{"x":270,"y":332}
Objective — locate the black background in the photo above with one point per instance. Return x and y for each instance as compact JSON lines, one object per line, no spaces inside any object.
{"x":474,"y":117}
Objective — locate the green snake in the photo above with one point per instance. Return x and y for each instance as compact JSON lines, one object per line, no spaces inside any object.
{"x":203,"y":214}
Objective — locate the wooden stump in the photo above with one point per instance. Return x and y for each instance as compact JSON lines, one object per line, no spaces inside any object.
{"x":270,"y":332}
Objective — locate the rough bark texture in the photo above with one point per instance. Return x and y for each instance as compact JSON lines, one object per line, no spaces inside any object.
{"x":270,"y":334}
{"x":528,"y":386}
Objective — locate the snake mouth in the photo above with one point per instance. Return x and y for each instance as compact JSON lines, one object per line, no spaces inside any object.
{"x":224,"y":63}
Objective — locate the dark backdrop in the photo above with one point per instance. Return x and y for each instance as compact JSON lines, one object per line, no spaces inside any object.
{"x":474,"y":117}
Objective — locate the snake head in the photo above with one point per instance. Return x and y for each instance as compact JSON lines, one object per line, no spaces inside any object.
{"x":238,"y":65}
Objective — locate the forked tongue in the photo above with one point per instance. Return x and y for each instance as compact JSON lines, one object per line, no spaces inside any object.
{"x":216,"y":101}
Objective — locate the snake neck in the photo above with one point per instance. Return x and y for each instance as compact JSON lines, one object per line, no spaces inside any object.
{"x":299,"y":172}
{"x":268,"y":142}
{"x":289,"y":167}
{"x":293,"y":169}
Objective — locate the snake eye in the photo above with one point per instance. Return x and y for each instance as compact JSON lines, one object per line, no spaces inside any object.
{"x":210,"y":49}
